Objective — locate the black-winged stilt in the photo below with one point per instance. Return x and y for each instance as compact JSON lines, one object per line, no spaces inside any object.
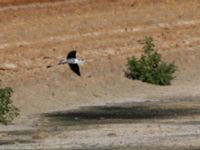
{"x":72,"y":61}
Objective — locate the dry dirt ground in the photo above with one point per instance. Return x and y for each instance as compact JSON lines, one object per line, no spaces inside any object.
{"x":102,"y":109}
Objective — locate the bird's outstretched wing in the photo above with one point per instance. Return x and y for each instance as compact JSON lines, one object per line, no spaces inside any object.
{"x":75,"y":69}
{"x":71,"y":54}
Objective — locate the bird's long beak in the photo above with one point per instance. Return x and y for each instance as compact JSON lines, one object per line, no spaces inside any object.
{"x":61,"y":62}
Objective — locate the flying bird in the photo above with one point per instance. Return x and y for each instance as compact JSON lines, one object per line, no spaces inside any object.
{"x":72,"y":61}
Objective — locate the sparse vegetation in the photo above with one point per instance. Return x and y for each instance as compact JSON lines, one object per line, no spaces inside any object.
{"x":7,"y":110}
{"x":150,"y":68}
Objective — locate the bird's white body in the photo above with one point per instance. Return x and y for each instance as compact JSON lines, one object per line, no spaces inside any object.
{"x":72,"y":61}
{"x":75,"y":61}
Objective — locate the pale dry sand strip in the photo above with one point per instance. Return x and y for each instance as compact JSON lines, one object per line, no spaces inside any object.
{"x":165,"y":45}
{"x":124,"y":135}
{"x":39,"y":5}
{"x":95,"y":34}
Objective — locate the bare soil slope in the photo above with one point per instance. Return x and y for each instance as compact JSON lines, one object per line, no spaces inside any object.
{"x":34,"y":37}
{"x":104,"y":33}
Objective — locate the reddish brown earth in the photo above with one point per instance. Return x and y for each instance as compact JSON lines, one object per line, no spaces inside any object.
{"x":104,"y":33}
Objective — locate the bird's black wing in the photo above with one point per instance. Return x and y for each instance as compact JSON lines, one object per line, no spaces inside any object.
{"x":75,"y":69}
{"x":71,"y":54}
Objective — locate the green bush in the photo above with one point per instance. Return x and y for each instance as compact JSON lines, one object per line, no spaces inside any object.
{"x":150,"y":68}
{"x":7,"y":110}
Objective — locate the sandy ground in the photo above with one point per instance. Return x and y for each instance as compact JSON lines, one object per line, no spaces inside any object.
{"x":104,"y":33}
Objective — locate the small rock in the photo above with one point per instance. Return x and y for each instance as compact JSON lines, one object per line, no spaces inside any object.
{"x":53,"y":94}
{"x":89,"y":76}
{"x":134,"y":4}
{"x":76,"y":118}
{"x":96,"y":95}
{"x":40,"y":135}
{"x":112,"y":134}
{"x":148,"y":126}
{"x":49,"y":66}
{"x":8,"y":66}
{"x":3,"y":134}
{"x":46,"y":57}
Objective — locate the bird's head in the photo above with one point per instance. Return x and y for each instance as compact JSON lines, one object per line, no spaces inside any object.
{"x":80,"y":61}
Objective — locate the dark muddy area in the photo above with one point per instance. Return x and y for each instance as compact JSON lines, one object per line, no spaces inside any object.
{"x":115,"y":114}
{"x":15,"y":141}
{"x":16,"y":137}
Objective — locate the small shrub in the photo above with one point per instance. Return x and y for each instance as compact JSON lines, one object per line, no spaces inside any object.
{"x":7,"y":110}
{"x":150,"y":68}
